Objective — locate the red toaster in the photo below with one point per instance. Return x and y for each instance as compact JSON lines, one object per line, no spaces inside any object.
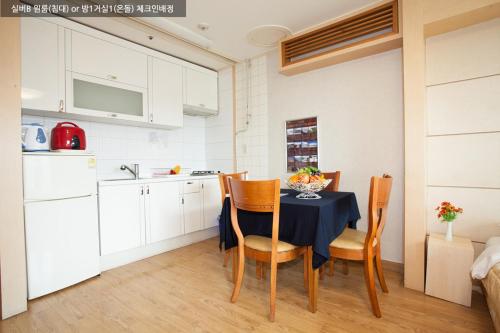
{"x":67,"y":137}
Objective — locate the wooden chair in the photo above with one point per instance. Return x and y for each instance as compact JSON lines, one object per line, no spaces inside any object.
{"x":332,"y":187}
{"x":224,"y":190}
{"x":358,"y":245}
{"x":260,"y":196}
{"x":335,"y":177}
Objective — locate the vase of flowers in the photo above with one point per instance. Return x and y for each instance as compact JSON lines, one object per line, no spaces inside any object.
{"x":447,"y":213}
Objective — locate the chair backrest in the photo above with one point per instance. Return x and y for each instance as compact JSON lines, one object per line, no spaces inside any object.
{"x":255,"y":196}
{"x":380,"y":192}
{"x":334,"y":184}
{"x":224,"y":188}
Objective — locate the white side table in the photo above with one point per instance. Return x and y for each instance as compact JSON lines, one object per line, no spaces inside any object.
{"x":448,"y":269}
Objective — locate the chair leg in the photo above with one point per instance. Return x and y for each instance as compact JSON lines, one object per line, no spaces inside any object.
{"x":274,"y":272}
{"x":332,"y":259}
{"x":322,"y":272}
{"x":239,"y":265}
{"x":380,"y":272}
{"x":370,"y":285}
{"x":226,"y":257}
{"x":345,"y":267}
{"x":234,"y":266}
{"x":306,"y":280}
{"x":258,"y":269}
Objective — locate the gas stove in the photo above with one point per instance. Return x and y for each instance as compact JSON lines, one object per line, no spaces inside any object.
{"x":203,"y":172}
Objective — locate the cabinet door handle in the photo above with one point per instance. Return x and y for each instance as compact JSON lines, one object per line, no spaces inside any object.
{"x":189,"y":183}
{"x":113,"y":115}
{"x":112,"y":77}
{"x":183,"y":201}
{"x":151,"y":117}
{"x":61,"y":105}
{"x":147,"y":190}
{"x":142,"y":190}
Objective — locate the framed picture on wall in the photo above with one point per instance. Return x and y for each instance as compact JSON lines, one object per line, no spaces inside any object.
{"x":301,"y":143}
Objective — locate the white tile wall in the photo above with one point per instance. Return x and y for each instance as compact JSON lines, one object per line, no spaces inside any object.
{"x":252,"y":124}
{"x":219,"y":129}
{"x":115,"y":145}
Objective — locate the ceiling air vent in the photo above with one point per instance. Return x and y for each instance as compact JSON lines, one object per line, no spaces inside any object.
{"x":369,"y":25}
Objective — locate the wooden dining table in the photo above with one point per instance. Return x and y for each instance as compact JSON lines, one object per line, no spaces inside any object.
{"x":311,"y":223}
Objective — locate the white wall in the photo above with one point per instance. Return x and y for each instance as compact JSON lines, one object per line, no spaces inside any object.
{"x":463,"y":129}
{"x":115,"y":145}
{"x":252,"y":124}
{"x":360,"y":127}
{"x":219,"y":129}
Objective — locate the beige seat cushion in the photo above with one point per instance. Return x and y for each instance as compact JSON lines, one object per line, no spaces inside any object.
{"x":351,"y":239}
{"x":261,"y":243}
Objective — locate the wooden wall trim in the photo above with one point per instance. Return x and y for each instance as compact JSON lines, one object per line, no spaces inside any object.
{"x":422,"y":18}
{"x":462,"y":20}
{"x":12,"y":248}
{"x":414,"y":146}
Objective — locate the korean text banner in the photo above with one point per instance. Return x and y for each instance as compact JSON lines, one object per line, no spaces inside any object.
{"x":96,"y":8}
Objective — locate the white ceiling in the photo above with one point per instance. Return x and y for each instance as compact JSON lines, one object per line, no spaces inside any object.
{"x":231,"y":20}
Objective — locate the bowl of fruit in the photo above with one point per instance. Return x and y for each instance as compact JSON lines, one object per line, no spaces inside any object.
{"x":308,"y":181}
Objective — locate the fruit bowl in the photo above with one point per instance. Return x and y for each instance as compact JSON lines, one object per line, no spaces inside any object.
{"x":308,"y":191}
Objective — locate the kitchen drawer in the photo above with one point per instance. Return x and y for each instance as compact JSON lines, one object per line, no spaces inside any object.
{"x":191,"y":186}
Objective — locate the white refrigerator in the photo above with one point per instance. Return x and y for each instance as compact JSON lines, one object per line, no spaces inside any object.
{"x":61,"y":220}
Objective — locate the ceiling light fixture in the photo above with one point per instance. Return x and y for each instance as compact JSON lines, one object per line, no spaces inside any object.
{"x":268,"y":35}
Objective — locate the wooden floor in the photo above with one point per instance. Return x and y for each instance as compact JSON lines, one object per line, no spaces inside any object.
{"x":188,"y":290}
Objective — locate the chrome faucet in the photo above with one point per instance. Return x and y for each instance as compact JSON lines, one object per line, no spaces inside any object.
{"x":135,"y":172}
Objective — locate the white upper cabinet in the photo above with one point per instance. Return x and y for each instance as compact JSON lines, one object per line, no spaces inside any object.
{"x":92,"y":96}
{"x":165,"y":93}
{"x":96,"y":57}
{"x":200,"y":92}
{"x":42,"y":54}
{"x":86,"y":74}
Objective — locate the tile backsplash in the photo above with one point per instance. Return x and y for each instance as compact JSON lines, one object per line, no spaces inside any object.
{"x":115,"y":145}
{"x":252,"y":118}
{"x":219,"y":132}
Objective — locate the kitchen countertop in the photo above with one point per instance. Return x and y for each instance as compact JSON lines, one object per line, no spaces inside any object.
{"x":170,"y":178}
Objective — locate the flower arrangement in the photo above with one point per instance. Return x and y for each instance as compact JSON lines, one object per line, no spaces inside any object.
{"x":447,"y":212}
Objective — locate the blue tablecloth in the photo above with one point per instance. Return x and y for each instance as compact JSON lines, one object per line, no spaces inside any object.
{"x":302,"y":222}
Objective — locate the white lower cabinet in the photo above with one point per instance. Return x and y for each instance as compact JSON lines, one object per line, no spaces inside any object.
{"x":121,"y":217}
{"x":193,"y":210}
{"x":135,"y":215}
{"x":211,"y":202}
{"x":163,"y":211}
